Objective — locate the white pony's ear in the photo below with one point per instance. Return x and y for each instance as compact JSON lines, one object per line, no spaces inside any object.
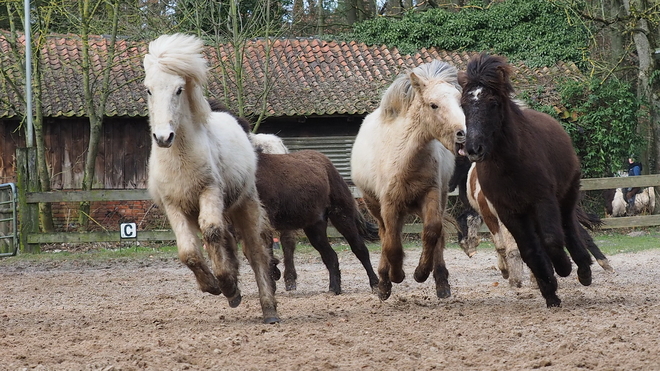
{"x":149,"y":60}
{"x":417,"y":83}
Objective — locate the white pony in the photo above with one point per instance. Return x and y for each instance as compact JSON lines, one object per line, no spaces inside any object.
{"x":268,"y":143}
{"x":402,"y":160}
{"x":644,"y":203}
{"x":202,"y":173}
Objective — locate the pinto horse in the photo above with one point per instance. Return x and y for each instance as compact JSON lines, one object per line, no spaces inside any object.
{"x":304,"y":190}
{"x":529,"y":171}
{"x":402,"y":161}
{"x":202,"y":173}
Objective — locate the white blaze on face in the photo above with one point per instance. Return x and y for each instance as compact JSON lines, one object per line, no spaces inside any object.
{"x":476,"y":93}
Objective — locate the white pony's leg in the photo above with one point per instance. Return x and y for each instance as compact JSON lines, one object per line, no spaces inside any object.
{"x":251,"y":222}
{"x":220,"y":245}
{"x":188,"y":247}
{"x":512,"y":256}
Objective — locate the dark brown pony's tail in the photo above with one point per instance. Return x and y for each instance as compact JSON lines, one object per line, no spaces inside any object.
{"x":588,"y":220}
{"x":591,"y":222}
{"x":366,"y":229}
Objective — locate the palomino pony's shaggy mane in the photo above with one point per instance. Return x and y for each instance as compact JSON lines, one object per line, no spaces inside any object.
{"x":398,"y":97}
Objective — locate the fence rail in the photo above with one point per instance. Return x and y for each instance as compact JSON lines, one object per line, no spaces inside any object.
{"x":33,"y":198}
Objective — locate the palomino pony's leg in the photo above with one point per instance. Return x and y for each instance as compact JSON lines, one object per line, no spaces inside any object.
{"x":523,"y":230}
{"x":288,"y":241}
{"x":251,"y":222}
{"x":433,"y":240}
{"x":348,"y":228}
{"x":390,"y":225}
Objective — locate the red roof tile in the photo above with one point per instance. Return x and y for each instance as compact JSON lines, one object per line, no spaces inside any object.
{"x":308,"y":76}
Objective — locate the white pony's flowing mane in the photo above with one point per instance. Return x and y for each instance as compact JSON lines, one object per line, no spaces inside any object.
{"x":398,"y":97}
{"x":181,"y":55}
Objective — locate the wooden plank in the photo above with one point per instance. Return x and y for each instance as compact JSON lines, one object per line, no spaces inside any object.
{"x":631,"y":221}
{"x":93,"y":195}
{"x":112,"y":236}
{"x":620,"y":182}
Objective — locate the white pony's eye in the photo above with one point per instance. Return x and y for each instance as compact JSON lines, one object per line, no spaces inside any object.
{"x":179,"y":90}
{"x":148,"y":91}
{"x":434,"y":106}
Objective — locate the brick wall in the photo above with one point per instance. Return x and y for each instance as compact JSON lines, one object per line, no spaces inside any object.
{"x":108,"y":215}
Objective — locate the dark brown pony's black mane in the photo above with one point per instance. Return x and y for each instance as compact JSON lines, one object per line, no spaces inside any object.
{"x":216,"y":106}
{"x":493,"y":73}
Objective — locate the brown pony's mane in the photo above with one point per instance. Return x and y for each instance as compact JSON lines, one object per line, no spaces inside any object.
{"x":493,"y":72}
{"x":216,"y":106}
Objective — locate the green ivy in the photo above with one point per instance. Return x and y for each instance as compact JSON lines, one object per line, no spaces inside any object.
{"x":534,"y":31}
{"x":601,"y":120}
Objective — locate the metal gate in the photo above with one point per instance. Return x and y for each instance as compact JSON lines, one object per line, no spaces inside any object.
{"x":8,"y":220}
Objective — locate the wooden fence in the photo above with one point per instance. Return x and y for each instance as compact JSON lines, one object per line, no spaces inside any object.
{"x":30,"y":238}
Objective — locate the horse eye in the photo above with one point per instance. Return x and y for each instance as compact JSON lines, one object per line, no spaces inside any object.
{"x":179,"y":90}
{"x":148,"y":91}
{"x":434,"y":106}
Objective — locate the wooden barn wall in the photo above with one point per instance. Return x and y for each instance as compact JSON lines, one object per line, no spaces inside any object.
{"x":125,"y":144}
{"x":121,"y":162}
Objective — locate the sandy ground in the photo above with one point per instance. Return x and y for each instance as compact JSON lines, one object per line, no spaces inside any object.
{"x":148,"y":314}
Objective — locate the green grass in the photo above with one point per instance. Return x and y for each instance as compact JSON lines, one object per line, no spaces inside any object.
{"x":610,"y":242}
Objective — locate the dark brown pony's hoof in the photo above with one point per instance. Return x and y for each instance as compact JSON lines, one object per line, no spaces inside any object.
{"x":271,"y":320}
{"x":235,"y":301}
{"x":553,"y":302}
{"x":276,"y":274}
{"x":605,"y":264}
{"x":584,"y":276}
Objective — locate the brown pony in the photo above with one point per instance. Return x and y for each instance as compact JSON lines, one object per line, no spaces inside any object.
{"x":529,"y":171}
{"x":303,"y":190}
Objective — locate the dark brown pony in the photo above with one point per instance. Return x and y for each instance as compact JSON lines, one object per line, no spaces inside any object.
{"x":528,"y":169}
{"x":303,"y":190}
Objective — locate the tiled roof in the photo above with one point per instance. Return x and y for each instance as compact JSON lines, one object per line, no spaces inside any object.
{"x":309,"y":76}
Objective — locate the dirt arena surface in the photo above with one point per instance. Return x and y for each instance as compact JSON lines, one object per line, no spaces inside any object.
{"x":148,"y":314}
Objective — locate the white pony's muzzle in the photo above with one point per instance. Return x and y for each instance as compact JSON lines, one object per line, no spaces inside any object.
{"x":164,"y":140}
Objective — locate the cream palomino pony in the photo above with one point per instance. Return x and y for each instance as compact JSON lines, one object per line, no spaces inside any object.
{"x":202,"y":174}
{"x":402,"y":161}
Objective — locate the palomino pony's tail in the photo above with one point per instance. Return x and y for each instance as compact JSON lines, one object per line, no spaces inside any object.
{"x":366,"y":229}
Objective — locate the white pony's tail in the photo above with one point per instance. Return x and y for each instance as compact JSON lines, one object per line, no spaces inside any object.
{"x":268,"y":143}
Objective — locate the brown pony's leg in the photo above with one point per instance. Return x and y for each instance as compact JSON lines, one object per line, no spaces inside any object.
{"x":288,"y":241}
{"x":549,"y":225}
{"x":348,"y":227}
{"x":317,"y":235}
{"x":433,"y":241}
{"x":188,"y":245}
{"x":251,"y":221}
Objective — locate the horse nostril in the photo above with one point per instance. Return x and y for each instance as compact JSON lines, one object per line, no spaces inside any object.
{"x":170,"y":138}
{"x":460,"y":136}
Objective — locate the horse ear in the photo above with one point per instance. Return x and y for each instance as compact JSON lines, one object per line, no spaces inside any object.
{"x":417,"y":83}
{"x":148,"y":61}
{"x":462,"y":78}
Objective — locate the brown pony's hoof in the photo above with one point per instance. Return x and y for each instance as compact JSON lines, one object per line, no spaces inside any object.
{"x":605,"y":264}
{"x":421,"y":274}
{"x":236,"y":300}
{"x":271,"y":320}
{"x":276,"y":274}
{"x":290,"y":286}
{"x":384,"y":290}
{"x":443,"y":292}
